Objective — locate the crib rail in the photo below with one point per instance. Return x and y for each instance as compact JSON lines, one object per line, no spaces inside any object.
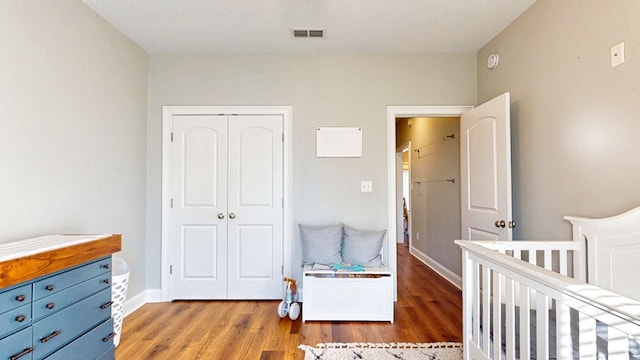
{"x":512,"y":307}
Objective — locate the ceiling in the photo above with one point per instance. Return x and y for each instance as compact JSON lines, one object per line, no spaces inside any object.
{"x":351,"y":26}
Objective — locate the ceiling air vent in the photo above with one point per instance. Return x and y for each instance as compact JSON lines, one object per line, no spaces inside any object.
{"x":308,"y":33}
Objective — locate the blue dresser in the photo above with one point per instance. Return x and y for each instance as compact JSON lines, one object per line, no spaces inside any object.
{"x":62,"y":315}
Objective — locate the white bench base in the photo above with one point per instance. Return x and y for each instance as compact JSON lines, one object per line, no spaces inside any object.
{"x":348,"y":298}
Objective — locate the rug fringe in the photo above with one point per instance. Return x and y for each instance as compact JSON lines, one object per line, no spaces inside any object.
{"x":393,"y":345}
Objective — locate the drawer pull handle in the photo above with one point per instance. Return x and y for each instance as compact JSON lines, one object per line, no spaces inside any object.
{"x":109,"y":337}
{"x":106,"y":281}
{"x":106,"y":305}
{"x":105,"y":266}
{"x":51,"y":336}
{"x":50,"y":306}
{"x":23,"y":353}
{"x":21,"y":298}
{"x":49,"y":287}
{"x":20,"y":318}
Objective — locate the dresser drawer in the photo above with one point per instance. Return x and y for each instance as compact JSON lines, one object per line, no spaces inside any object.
{"x":109,"y":354}
{"x":57,"y":330}
{"x":15,"y":319}
{"x":16,"y":297}
{"x":17,"y":346}
{"x":89,"y":346}
{"x":61,"y":281}
{"x":62,"y":299}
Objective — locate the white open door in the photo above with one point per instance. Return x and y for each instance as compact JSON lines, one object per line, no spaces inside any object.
{"x":485,"y":169}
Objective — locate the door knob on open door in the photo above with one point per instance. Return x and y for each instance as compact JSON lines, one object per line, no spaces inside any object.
{"x":220,"y":216}
{"x":232,"y":215}
{"x":501,"y":223}
{"x":512,"y":224}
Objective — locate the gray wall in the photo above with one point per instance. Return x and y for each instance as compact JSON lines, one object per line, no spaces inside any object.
{"x":435,"y":204}
{"x":575,"y":120}
{"x":324,"y":90}
{"x":73,"y":119}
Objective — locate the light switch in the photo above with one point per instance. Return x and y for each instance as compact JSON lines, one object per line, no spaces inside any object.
{"x":366,"y":186}
{"x":617,"y":54}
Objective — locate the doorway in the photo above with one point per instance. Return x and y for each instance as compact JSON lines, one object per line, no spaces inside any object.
{"x":393,"y":113}
{"x":213,"y":213}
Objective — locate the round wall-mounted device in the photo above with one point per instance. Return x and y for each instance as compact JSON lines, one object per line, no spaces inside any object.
{"x":492,"y":61}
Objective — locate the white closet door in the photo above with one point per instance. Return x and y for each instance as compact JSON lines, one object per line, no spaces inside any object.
{"x":227,"y":214}
{"x":199,"y":183}
{"x":255,"y":203}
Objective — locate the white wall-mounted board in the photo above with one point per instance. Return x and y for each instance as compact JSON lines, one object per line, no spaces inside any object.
{"x":339,"y":142}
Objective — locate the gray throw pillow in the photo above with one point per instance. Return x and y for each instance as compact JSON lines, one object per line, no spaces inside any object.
{"x":362,"y":247}
{"x":321,"y":244}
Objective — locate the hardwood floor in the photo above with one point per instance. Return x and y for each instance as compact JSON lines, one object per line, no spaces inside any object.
{"x":429,"y":309}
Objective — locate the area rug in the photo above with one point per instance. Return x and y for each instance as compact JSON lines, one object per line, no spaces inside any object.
{"x":379,"y":351}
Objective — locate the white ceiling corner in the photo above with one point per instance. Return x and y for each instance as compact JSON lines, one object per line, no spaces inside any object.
{"x":352,"y":26}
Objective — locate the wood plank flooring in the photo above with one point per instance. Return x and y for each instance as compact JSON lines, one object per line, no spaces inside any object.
{"x":429,"y":309}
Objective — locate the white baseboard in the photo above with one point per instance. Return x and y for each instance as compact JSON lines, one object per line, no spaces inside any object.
{"x":442,"y":270}
{"x":135,"y":302}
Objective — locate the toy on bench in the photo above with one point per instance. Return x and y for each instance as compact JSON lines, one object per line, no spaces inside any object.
{"x":290,"y":303}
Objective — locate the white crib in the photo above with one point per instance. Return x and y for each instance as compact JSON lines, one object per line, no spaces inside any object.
{"x":555,"y":299}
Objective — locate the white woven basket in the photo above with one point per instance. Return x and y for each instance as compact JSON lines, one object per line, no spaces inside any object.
{"x":119,"y":282}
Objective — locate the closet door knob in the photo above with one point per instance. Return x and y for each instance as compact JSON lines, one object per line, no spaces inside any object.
{"x":232,"y":216}
{"x":220,"y":216}
{"x":501,"y":223}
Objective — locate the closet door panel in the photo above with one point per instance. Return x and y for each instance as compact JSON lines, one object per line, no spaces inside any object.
{"x":255,"y":207}
{"x":199,"y":237}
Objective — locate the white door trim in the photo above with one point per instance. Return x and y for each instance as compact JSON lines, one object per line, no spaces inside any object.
{"x":392,"y":113}
{"x":167,"y":113}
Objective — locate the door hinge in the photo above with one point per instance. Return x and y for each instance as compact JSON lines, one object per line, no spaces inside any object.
{"x":282,"y":137}
{"x":170,"y":269}
{"x":282,"y":270}
{"x":171,"y":203}
{"x":171,"y":137}
{"x":283,"y":203}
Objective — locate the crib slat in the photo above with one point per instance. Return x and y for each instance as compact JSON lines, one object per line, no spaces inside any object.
{"x":587,"y":326}
{"x":533,"y":257}
{"x":517,"y":254}
{"x":542,"y":326}
{"x":563,"y":332}
{"x":618,"y":345}
{"x":564,"y":254}
{"x":476,"y":302}
{"x":548,"y":264}
{"x":497,"y":315}
{"x":486,"y":312}
{"x":525,"y":322}
{"x":469,"y":303}
{"x":510,"y":324}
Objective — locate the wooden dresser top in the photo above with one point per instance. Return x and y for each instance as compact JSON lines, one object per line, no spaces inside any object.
{"x":27,"y":259}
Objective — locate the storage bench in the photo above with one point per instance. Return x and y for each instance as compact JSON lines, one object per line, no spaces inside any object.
{"x":347,"y":295}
